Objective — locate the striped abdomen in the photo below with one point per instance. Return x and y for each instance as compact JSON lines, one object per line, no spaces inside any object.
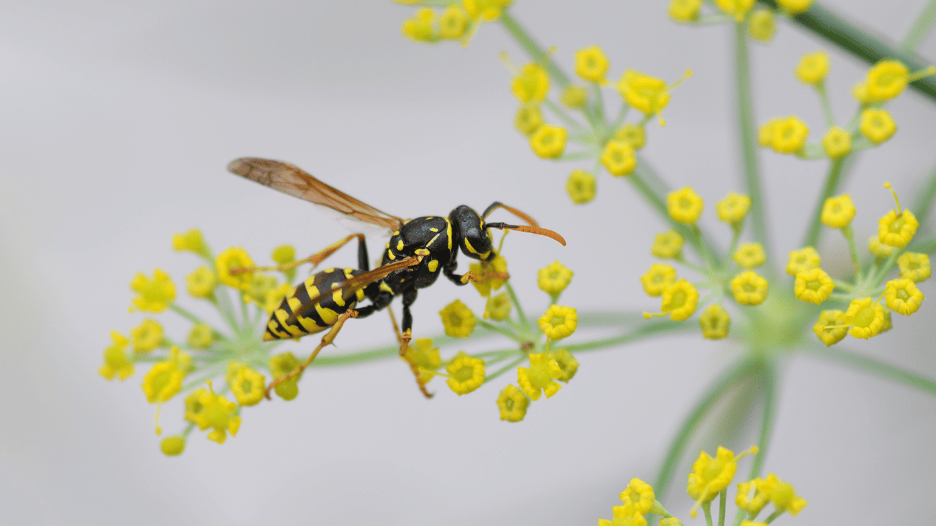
{"x":323,"y":315}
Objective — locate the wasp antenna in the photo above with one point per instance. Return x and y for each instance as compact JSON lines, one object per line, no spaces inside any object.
{"x":530,"y":229}
{"x":496,"y":204}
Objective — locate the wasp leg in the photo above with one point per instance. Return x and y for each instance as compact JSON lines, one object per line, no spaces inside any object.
{"x":406,"y":336}
{"x":316,"y":258}
{"x":326,"y":340}
{"x":471,"y":276}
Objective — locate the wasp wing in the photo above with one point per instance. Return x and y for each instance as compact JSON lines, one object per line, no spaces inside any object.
{"x":350,"y":287}
{"x":292,"y":180}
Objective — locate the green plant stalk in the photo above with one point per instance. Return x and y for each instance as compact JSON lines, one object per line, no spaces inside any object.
{"x":748,"y":131}
{"x":651,"y":329}
{"x":716,"y":390}
{"x":831,"y":184}
{"x":533,"y":48}
{"x":769,"y":376}
{"x":923,"y":203}
{"x":861,"y":44}
{"x":922,"y":26}
{"x":873,"y":366}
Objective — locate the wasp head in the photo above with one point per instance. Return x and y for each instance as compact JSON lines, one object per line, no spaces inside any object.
{"x":473,"y":237}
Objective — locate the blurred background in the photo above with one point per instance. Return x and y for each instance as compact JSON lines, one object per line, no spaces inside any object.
{"x":117,"y":120}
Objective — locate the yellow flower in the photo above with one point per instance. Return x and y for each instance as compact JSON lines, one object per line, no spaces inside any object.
{"x":831,"y":328}
{"x":684,"y":10}
{"x":897,"y":229}
{"x":813,"y":286}
{"x":645,"y":93}
{"x":528,"y":119}
{"x":486,"y":10}
{"x":640,"y":494}
{"x":554,"y":278}
{"x":259,"y":289}
{"x":750,"y":255}
{"x":659,"y":278}
{"x":795,"y":7}
{"x":736,"y":8}
{"x":548,"y":141}
{"x":531,"y":85}
{"x":788,"y":135}
{"x":453,"y":22}
{"x":164,"y":379}
{"x":512,"y":403}
{"x":566,"y":362}
{"x":284,"y":254}
{"x":234,"y":257}
{"x":172,"y":446}
{"x":877,"y":125}
{"x":216,"y":412}
{"x":191,"y":241}
{"x":591,"y":64}
{"x":914,"y":266}
{"x":193,"y":405}
{"x":147,"y":336}
{"x":761,"y":489}
{"x":248,"y":386}
{"x":558,"y":322}
{"x":838,"y":212}
{"x":490,"y":272}
{"x":762,"y":25}
{"x":625,"y":515}
{"x":879,"y":250}
{"x":902,"y":296}
{"x":155,"y":294}
{"x":426,"y":357}
{"x":581,"y":186}
{"x":684,"y":205}
{"x":711,"y":475}
{"x":201,"y":336}
{"x":540,"y":377}
{"x":618,"y":158}
{"x":283,"y":364}
{"x":715,"y":322}
{"x":886,"y":80}
{"x":574,"y":96}
{"x":667,"y":245}
{"x":421,"y":27}
{"x":803,"y":259}
{"x":813,"y":68}
{"x":632,"y":134}
{"x":457,"y":319}
{"x":865,"y":318}
{"x":201,"y":282}
{"x":679,"y":301}
{"x":784,"y":498}
{"x":498,"y":307}
{"x":466,"y":373}
{"x":749,"y":288}
{"x":117,"y":362}
{"x":837,"y":143}
{"x":766,"y":131}
{"x":733,"y":208}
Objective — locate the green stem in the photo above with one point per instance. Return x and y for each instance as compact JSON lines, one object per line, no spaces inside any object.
{"x":826,"y":105}
{"x":831,"y":184}
{"x":924,"y":201}
{"x":714,"y":393}
{"x":533,"y":49}
{"x":500,"y":330}
{"x":768,"y":375}
{"x":185,"y":314}
{"x":650,"y":329}
{"x":516,"y":303}
{"x":745,"y":107}
{"x":860,"y":43}
{"x":722,"y":501}
{"x":504,"y":369}
{"x":922,"y":26}
{"x":875,"y":367}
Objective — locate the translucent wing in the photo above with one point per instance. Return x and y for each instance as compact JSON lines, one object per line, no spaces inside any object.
{"x":350,"y":287}
{"x":292,"y":180}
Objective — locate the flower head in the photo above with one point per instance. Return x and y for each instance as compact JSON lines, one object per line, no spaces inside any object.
{"x":684,"y":205}
{"x":457,"y":319}
{"x":749,"y":288}
{"x":466,"y":373}
{"x":558,"y":322}
{"x":513,"y":403}
{"x":540,"y":377}
{"x":155,"y":294}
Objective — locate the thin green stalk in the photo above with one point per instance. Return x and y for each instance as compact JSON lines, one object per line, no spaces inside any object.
{"x":650,"y":329}
{"x":722,"y":504}
{"x":185,"y":314}
{"x":861,"y":44}
{"x":923,"y":204}
{"x":533,"y":49}
{"x":504,"y":369}
{"x":516,"y":303}
{"x":831,"y":184}
{"x":747,"y":128}
{"x":768,"y":374}
{"x":714,"y":393}
{"x":707,"y":509}
{"x":875,"y":367}
{"x":926,"y":247}
{"x":500,"y":330}
{"x":922,"y":26}
{"x":826,"y":105}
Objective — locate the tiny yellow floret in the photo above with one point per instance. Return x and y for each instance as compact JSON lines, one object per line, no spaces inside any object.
{"x":667,"y":245}
{"x":574,"y":97}
{"x":466,"y":373}
{"x":217,"y":413}
{"x":659,"y":278}
{"x":498,"y":307}
{"x":234,"y":258}
{"x":558,"y":322}
{"x":754,"y":494}
{"x":749,"y":288}
{"x":914,"y":266}
{"x":646,"y":93}
{"x":201,"y":336}
{"x":684,"y":206}
{"x":531,"y":85}
{"x":567,"y":363}
{"x":581,"y":186}
{"x":147,"y":336}
{"x":548,"y":141}
{"x":762,"y":25}
{"x":877,"y":125}
{"x":813,"y":68}
{"x":154,"y":295}
{"x":591,"y":64}
{"x":837,"y":143}
{"x":830,"y":328}
{"x":528,"y":119}
{"x":618,"y":158}
{"x":554,"y":278}
{"x":200,"y":283}
{"x":248,"y":386}
{"x":750,"y":255}
{"x":784,"y":498}
{"x":512,"y":403}
{"x":838,"y":212}
{"x":457,"y":319}
{"x":540,"y":377}
{"x":712,"y":475}
{"x":164,"y":379}
{"x":492,"y":274}
{"x":795,"y":7}
{"x":788,"y":135}
{"x":684,"y":10}
{"x":813,"y":286}
{"x":736,"y":8}
{"x":453,"y":22}
{"x":172,"y":446}
{"x":733,"y":208}
{"x":897,"y":229}
{"x":715,"y":322}
{"x":902,"y":296}
{"x":879,"y":250}
{"x":886,"y":80}
{"x":865,"y":317}
{"x":191,"y":241}
{"x":632,"y":134}
{"x":426,"y":357}
{"x":640,"y":494}
{"x":803,"y":259}
{"x":679,"y":301}
{"x":117,"y":362}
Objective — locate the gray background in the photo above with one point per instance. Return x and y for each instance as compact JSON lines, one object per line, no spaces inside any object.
{"x":117,"y":122}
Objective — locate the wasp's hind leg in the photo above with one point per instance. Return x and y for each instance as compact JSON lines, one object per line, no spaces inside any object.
{"x":326,"y":340}
{"x":316,"y":258}
{"x":403,"y":338}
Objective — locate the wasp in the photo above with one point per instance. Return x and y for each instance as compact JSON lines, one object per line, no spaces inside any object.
{"x":419,"y":250}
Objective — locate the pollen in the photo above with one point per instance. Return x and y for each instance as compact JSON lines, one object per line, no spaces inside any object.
{"x":558,"y":322}
{"x":659,"y":278}
{"x":830,"y":328}
{"x":838,"y":212}
{"x":457,"y":319}
{"x":684,"y":206}
{"x":813,"y":286}
{"x":512,"y":403}
{"x":466,"y":373}
{"x":618,"y":158}
{"x":715,"y":322}
{"x":581,"y":187}
{"x":548,"y":141}
{"x":749,"y":288}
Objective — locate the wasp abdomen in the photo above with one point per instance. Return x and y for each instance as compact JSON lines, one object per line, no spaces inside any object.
{"x":323,"y":315}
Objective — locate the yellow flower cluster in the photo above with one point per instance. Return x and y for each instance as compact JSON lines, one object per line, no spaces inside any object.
{"x":760,"y":21}
{"x":457,"y":21}
{"x":680,"y":298}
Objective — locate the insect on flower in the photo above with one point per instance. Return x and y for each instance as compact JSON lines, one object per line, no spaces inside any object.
{"x":418,"y":250}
